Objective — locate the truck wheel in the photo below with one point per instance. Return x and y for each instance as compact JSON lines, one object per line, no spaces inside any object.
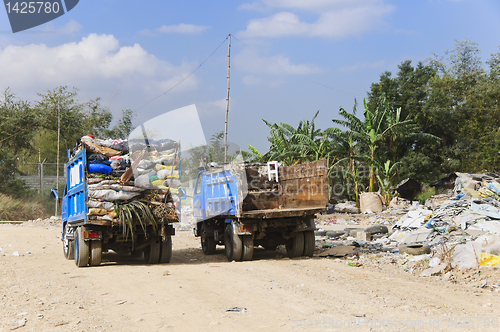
{"x":309,"y":243}
{"x":95,"y":252}
{"x":136,"y":253}
{"x":208,"y":244}
{"x":68,"y":246}
{"x":232,"y":244}
{"x":166,"y":250}
{"x":152,"y":252}
{"x":81,"y":249}
{"x":247,"y":248}
{"x":295,"y":245}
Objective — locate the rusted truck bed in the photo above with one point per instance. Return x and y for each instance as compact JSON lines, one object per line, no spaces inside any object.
{"x":301,"y":190}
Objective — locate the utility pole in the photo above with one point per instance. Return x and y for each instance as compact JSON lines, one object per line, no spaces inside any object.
{"x":57,"y":162}
{"x":227,"y":98}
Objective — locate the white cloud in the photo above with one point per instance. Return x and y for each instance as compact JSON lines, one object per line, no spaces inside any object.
{"x":336,"y":18}
{"x":182,"y":28}
{"x":210,"y":108}
{"x":249,"y":61}
{"x":96,"y":62}
{"x":254,"y":6}
{"x":252,"y":80}
{"x":71,"y":27}
{"x":363,"y":65}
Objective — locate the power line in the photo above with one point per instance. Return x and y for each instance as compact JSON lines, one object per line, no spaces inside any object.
{"x":185,"y":78}
{"x":293,"y":73}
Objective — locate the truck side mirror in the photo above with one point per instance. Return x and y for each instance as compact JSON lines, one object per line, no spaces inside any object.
{"x":182,"y":194}
{"x":53,"y":195}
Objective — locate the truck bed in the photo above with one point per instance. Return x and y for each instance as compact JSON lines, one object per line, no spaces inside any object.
{"x":281,"y":213}
{"x":301,"y":190}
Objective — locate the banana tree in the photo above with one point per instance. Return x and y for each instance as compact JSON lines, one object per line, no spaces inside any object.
{"x":386,"y":181}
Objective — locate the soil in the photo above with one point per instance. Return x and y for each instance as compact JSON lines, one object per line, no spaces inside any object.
{"x":42,"y":291}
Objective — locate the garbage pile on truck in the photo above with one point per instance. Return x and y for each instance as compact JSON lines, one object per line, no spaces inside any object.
{"x":121,"y":195}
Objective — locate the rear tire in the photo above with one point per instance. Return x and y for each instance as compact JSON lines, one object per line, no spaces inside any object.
{"x":295,"y":245}
{"x":81,"y":249}
{"x":136,"y":253}
{"x":166,"y":250}
{"x":68,"y":245}
{"x":208,"y":244}
{"x":152,"y":252}
{"x":247,"y":248}
{"x":309,"y":243}
{"x":232,"y":244}
{"x":95,"y":252}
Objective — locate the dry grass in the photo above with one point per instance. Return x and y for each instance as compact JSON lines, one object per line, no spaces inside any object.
{"x":23,"y":209}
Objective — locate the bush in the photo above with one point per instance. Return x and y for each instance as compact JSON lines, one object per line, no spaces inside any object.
{"x":20,"y":209}
{"x":426,"y":193}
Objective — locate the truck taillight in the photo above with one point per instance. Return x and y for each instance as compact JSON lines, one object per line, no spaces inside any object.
{"x":90,"y":235}
{"x":246,"y":228}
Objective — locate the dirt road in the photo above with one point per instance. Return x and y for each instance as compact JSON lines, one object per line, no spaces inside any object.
{"x":41,"y":291}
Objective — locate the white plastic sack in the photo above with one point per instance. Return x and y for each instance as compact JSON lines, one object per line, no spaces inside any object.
{"x":101,"y":205}
{"x":111,"y":195}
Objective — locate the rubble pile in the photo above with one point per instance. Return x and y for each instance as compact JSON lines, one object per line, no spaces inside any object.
{"x":121,"y":171}
{"x":451,"y":233}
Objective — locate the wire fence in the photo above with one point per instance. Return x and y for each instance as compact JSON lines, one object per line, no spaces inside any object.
{"x":42,"y":176}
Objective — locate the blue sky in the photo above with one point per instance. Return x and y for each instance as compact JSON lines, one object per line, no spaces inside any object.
{"x":283,"y":55}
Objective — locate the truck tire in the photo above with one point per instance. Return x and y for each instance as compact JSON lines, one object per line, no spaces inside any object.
{"x":414,"y":249}
{"x":166,"y":250}
{"x":309,"y":243}
{"x":136,"y":253}
{"x":377,"y":229}
{"x":232,"y":244}
{"x":295,"y":245}
{"x":95,"y":252}
{"x":81,"y":249}
{"x":152,"y":252}
{"x":208,"y":244}
{"x":68,"y":245}
{"x":335,"y":234}
{"x":247,"y":248}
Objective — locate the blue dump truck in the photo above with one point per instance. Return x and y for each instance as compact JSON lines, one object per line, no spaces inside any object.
{"x":243,"y":205}
{"x":102,"y":210}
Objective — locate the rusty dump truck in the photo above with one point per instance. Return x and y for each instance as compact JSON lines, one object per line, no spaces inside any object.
{"x":243,"y":205}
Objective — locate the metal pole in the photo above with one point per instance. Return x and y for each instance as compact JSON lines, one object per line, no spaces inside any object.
{"x":40,"y":169}
{"x":57,"y":162}
{"x":227,"y":98}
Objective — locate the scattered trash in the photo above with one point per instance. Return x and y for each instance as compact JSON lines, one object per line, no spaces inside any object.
{"x":347,"y":207}
{"x":20,"y":323}
{"x":489,"y":260}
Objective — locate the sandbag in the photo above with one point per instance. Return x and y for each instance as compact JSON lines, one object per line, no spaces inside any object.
{"x":112,"y":195}
{"x":172,"y":182}
{"x":142,"y":181}
{"x":165,"y":167}
{"x":101,"y":205}
{"x":97,"y":212}
{"x":370,"y":201}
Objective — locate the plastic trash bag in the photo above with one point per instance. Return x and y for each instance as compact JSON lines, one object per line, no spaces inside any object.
{"x":99,"y":168}
{"x":489,"y":260}
{"x":465,"y":256}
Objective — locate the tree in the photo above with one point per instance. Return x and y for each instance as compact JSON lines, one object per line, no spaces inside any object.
{"x":18,"y":122}
{"x":123,"y":127}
